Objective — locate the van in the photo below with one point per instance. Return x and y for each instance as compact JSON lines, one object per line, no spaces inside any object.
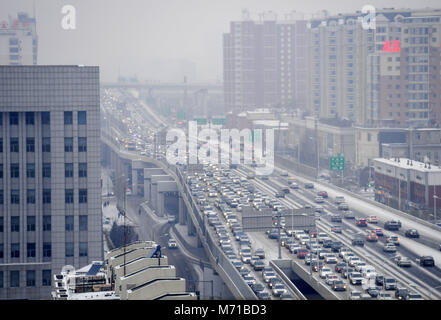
{"x":368,"y":272}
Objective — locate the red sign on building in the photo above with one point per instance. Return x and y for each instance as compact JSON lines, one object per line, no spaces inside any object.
{"x":391,"y":46}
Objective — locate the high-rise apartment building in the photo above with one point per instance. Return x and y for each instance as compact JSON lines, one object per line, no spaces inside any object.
{"x":18,"y":41}
{"x":50,"y":199}
{"x":265,"y":63}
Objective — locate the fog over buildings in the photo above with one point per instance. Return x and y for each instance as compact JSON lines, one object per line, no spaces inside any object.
{"x":157,"y":40}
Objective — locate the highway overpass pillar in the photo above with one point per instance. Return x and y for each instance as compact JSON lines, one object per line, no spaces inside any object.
{"x":134,"y":181}
{"x":160,"y":204}
{"x":182,"y":210}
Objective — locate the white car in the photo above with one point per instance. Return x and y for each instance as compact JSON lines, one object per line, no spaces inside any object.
{"x":331,"y":259}
{"x":319,"y":199}
{"x":369,"y":272}
{"x":353,"y":261}
{"x":279,"y":289}
{"x":359,"y":266}
{"x":389,"y":247}
{"x":172,"y":244}
{"x":324,"y":271}
{"x":348,"y":255}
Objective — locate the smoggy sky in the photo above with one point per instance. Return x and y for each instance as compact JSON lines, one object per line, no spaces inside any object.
{"x":152,"y":39}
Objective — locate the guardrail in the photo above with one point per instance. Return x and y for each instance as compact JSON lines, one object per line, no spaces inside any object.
{"x":285,"y":278}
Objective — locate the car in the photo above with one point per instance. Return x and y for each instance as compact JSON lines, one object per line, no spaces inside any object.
{"x":316,"y":265}
{"x":172,"y":244}
{"x":357,"y":241}
{"x":373,"y":219}
{"x":322,"y":194}
{"x":343,"y":206}
{"x":237,"y":264}
{"x":253,"y":260}
{"x":401,"y":293}
{"x":393,"y":239}
{"x":379,"y":280}
{"x":362,"y":222}
{"x":330,"y":278}
{"x":336,"y":245}
{"x":324,"y":271}
{"x":414,"y":296}
{"x":260,"y":253}
{"x":353,"y":261}
{"x":336,"y":229}
{"x":336,"y":218}
{"x":373,"y":291}
{"x":280,"y":194}
{"x":402,"y":261}
{"x":257,"y":287}
{"x":372,"y":237}
{"x":426,"y":261}
{"x":355,"y":295}
{"x":389,"y":247}
{"x":392,"y":225}
{"x":309,"y":185}
{"x":267,"y":276}
{"x":284,"y":189}
{"x":369,"y":272}
{"x":263,"y":295}
{"x":319,"y":199}
{"x":339,"y":199}
{"x":412,"y":233}
{"x":249,"y":279}
{"x":339,"y":267}
{"x":246,"y":258}
{"x":259,"y":265}
{"x":318,"y":209}
{"x":279,"y":289}
{"x":331,"y":259}
{"x":359,"y":266}
{"x":379,"y":232}
{"x":349,"y":214}
{"x":294,"y":185}
{"x":273,"y":282}
{"x":346,"y":271}
{"x":384,"y":296}
{"x":301,"y":253}
{"x":327,"y":243}
{"x":339,"y":285}
{"x":356,"y":278}
{"x":286,"y":296}
{"x":390,"y":283}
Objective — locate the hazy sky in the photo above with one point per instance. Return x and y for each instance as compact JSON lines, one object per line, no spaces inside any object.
{"x":153,"y":38}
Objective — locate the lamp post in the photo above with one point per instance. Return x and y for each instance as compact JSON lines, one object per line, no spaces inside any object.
{"x":434,"y":205}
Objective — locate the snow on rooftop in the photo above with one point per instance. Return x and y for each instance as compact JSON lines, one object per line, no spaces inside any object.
{"x":406,"y":164}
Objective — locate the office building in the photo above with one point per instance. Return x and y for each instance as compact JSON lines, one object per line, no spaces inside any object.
{"x":50,"y":192}
{"x":18,"y":40}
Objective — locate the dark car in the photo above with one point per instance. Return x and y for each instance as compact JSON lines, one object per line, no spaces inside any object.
{"x":373,"y":291}
{"x":372,"y":237}
{"x":338,"y":285}
{"x":322,"y":194}
{"x":309,"y":185}
{"x":336,"y":245}
{"x":362,"y":222}
{"x":379,"y":232}
{"x":426,"y":261}
{"x":273,"y":281}
{"x":280,"y":194}
{"x":412,"y":233}
{"x":316,"y":266}
{"x":392,"y":225}
{"x":263,"y":295}
{"x":346,"y":271}
{"x":336,"y":218}
{"x":401,"y":293}
{"x":327,"y":243}
{"x":301,"y":253}
{"x":257,"y":287}
{"x":336,"y":229}
{"x":285,"y":189}
{"x":379,"y":280}
{"x":358,"y":241}
{"x":339,"y":267}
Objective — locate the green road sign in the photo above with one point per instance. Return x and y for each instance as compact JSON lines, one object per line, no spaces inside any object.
{"x":218,"y":121}
{"x":337,"y":163}
{"x":181,"y":115}
{"x":200,"y":121}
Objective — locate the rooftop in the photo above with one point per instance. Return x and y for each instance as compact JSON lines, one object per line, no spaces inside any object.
{"x":406,"y":163}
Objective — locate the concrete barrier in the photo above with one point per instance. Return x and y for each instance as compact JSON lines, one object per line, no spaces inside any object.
{"x":286,"y":280}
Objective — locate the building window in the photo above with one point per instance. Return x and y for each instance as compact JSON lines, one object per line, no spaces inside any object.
{"x":47,"y":225}
{"x":15,"y":279}
{"x":30,"y":118}
{"x":69,"y":249}
{"x":46,"y":278}
{"x":68,"y":144}
{"x":30,"y":223}
{"x":68,"y":118}
{"x":30,"y":278}
{"x":46,"y":144}
{"x":15,"y":224}
{"x":68,"y":170}
{"x":82,"y":170}
{"x":82,"y":117}
{"x":47,"y":250}
{"x":30,"y":145}
{"x":46,"y":170}
{"x":83,"y":223}
{"x":30,"y":196}
{"x":30,"y":250}
{"x":82,"y":195}
{"x":82,"y":144}
{"x":46,"y":195}
{"x":30,"y":170}
{"x":15,"y":197}
{"x":83,"y":249}
{"x":45,"y":118}
{"x":69,"y":223}
{"x":15,"y":250}
{"x":15,"y":170}
{"x":14,"y":145}
{"x":68,"y":196}
{"x":13,"y":118}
